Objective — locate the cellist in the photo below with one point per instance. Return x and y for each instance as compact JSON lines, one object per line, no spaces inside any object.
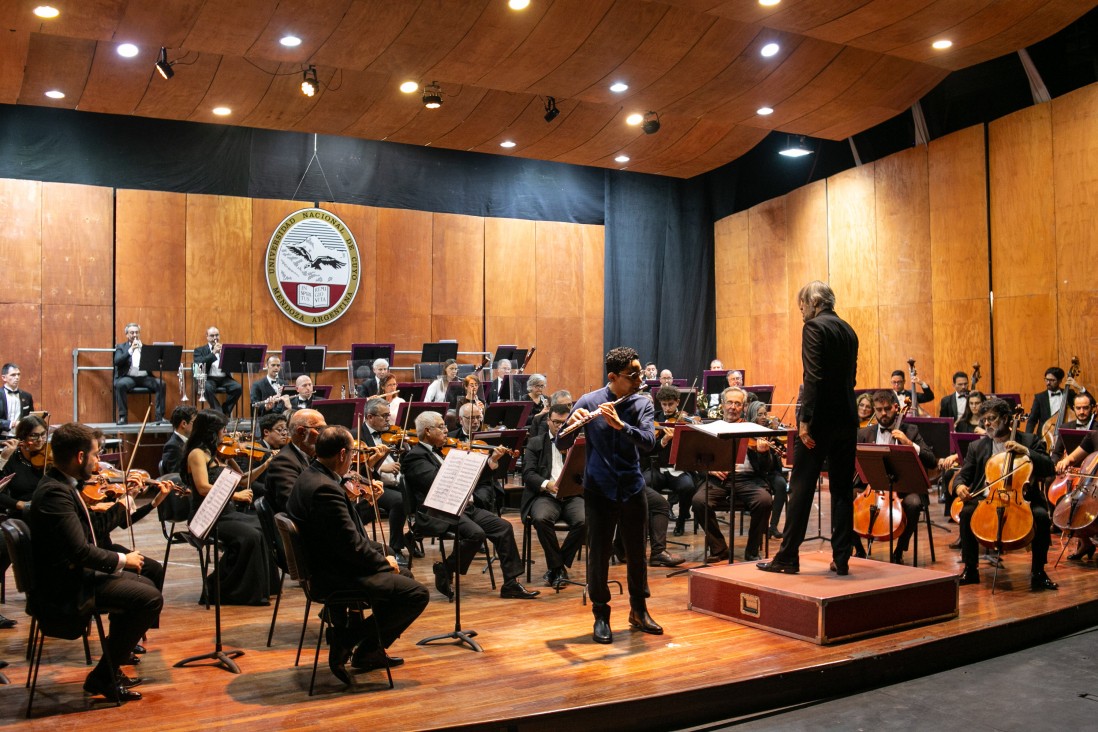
{"x":1089,"y":444}
{"x":996,"y":415}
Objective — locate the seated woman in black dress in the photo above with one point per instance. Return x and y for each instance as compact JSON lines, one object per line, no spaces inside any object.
{"x":969,"y":422}
{"x":248,"y":573}
{"x":23,"y":458}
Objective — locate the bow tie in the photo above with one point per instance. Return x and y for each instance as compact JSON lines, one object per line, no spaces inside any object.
{"x":1055,"y":393}
{"x":11,"y":391}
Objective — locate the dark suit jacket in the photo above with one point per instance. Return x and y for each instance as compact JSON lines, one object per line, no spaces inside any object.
{"x":171,"y":459}
{"x":368,"y":388}
{"x":419,"y":470}
{"x":1058,"y":447}
{"x":1041,"y":410}
{"x":829,"y":356}
{"x":972,"y":472}
{"x":335,"y":544}
{"x":65,"y":555}
{"x":537,"y":467}
{"x":204,"y":355}
{"x":868,"y":436}
{"x":122,"y":360}
{"x":947,"y":407}
{"x":26,"y":406}
{"x":260,"y":392}
{"x":283,"y":472}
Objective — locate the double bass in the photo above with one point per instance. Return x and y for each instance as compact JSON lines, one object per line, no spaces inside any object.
{"x":1050,"y":430}
{"x":1003,"y":519}
{"x":916,"y":410}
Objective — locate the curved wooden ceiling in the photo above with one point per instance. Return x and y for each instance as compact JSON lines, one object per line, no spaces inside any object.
{"x":844,"y":66}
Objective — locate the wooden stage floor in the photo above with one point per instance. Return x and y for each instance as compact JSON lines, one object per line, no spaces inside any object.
{"x":540,"y":668}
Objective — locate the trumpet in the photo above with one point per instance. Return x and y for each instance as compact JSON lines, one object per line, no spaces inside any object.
{"x":182,"y":385}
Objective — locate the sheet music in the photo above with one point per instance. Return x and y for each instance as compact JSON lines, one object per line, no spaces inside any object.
{"x":455,"y":481}
{"x":214,"y":504}
{"x":720,"y":428}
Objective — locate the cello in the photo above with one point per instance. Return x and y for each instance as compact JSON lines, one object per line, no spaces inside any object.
{"x":1078,"y":511}
{"x":1003,"y":519}
{"x":870,"y":520}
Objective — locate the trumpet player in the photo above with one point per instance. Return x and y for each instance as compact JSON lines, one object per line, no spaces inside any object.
{"x":129,"y":372}
{"x":208,"y":357}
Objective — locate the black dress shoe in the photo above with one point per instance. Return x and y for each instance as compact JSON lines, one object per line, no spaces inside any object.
{"x":337,"y":658}
{"x":413,"y":545}
{"x":6,"y":622}
{"x":133,"y":660}
{"x":1039,"y":582}
{"x":513,"y":590}
{"x":679,"y":530}
{"x":840,"y":568}
{"x":641,"y":620}
{"x":110,"y":690}
{"x":751,"y":556}
{"x":717,"y":558}
{"x":139,"y":649}
{"x":602,"y":633}
{"x":128,"y":682}
{"x":665,"y":559}
{"x":1083,"y":555}
{"x":442,"y":580}
{"x":375,"y":658}
{"x":779,"y":567}
{"x":897,"y":557}
{"x":955,"y":544}
{"x":775,"y":534}
{"x":971,"y":576}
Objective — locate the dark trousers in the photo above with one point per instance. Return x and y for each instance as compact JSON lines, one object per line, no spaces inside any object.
{"x":545,"y":511}
{"x":396,"y":602}
{"x":124,"y":384}
{"x":392,"y":502}
{"x":838,"y":448}
{"x":233,"y":391}
{"x":134,"y":604}
{"x":472,"y":528}
{"x":679,"y":487}
{"x":752,"y":493}
{"x":779,"y":488}
{"x":603,"y":516}
{"x":1042,"y":534}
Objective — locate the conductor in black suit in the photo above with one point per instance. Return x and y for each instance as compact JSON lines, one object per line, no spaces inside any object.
{"x":209,"y":356}
{"x":953,"y":405}
{"x":16,"y":403}
{"x":129,"y":372}
{"x":341,"y":558}
{"x":1048,"y":402}
{"x":827,"y":429}
{"x":72,"y":574}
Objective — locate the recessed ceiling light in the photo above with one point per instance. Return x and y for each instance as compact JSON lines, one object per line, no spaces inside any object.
{"x":508,"y":143}
{"x":518,"y":4}
{"x":127,"y":50}
{"x":763,"y":111}
{"x":46,"y":11}
{"x":621,"y":159}
{"x":942,"y":44}
{"x":55,"y":94}
{"x":769,"y":3}
{"x":222,"y":111}
{"x":619,"y":87}
{"x":409,"y":86}
{"x":770,"y":49}
{"x":290,"y":41}
{"x":634,"y":119}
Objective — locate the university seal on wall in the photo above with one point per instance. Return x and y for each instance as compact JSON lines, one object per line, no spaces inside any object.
{"x":313,"y":268}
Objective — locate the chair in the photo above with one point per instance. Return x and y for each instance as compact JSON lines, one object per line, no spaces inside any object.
{"x":274,"y":541}
{"x":150,"y":393}
{"x":528,"y":543}
{"x":297,"y":565}
{"x":17,"y":538}
{"x":177,"y":510}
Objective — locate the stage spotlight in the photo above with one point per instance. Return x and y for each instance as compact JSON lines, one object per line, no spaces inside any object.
{"x":432,"y":96}
{"x":796,"y":149}
{"x":651,"y":123}
{"x":309,"y":82}
{"x":551,"y":110}
{"x":162,"y":64}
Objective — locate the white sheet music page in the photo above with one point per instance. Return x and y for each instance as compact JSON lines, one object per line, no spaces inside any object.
{"x":214,"y":504}
{"x":720,"y":428}
{"x":455,"y":481}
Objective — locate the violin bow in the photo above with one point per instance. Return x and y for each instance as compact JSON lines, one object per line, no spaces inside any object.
{"x":370,"y":487}
{"x":126,"y":473}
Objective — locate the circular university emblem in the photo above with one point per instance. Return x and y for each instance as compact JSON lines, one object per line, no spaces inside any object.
{"x":313,"y":269}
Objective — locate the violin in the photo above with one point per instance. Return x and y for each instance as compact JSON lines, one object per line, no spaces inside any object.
{"x":397,"y":439}
{"x":112,"y":483}
{"x":231,"y":447}
{"x":1003,"y":519}
{"x":453,"y":443}
{"x":39,"y":459}
{"x":358,"y":487}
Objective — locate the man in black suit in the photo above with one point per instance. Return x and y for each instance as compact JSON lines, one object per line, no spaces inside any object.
{"x":891,"y":430}
{"x":923,"y":392}
{"x":495,"y":388}
{"x":16,"y":403}
{"x":1047,"y":403}
{"x":71,"y":572}
{"x":827,"y":429}
{"x":953,"y":405}
{"x":305,"y":395}
{"x":372,"y":386}
{"x":996,"y":415}
{"x":542,"y":465}
{"x":267,"y":393}
{"x":129,"y":372}
{"x":420,"y":465}
{"x":171,"y":457}
{"x":209,"y":356}
{"x":378,"y":419}
{"x":489,"y":493}
{"x":1083,"y":406}
{"x":342,"y":558}
{"x":293,"y":458}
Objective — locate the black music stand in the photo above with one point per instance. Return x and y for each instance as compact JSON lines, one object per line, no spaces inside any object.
{"x":514,"y":386}
{"x":513,"y":415}
{"x":892,"y":468}
{"x":345,"y":412}
{"x":961,"y":441}
{"x":300,"y":360}
{"x":511,"y":439}
{"x":412,"y":391}
{"x":414,"y":409}
{"x":764,"y":393}
{"x":439,"y":352}
{"x":1072,"y":439}
{"x":235,"y":359}
{"x":370,"y":352}
{"x":161,"y":357}
{"x":936,"y":431}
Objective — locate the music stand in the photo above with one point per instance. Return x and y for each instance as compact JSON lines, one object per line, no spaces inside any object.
{"x":439,"y":352}
{"x":1014,"y":400}
{"x":300,"y":360}
{"x":204,"y":522}
{"x":370,"y":352}
{"x":892,"y":468}
{"x":412,"y":391}
{"x":414,"y":409}
{"x":345,"y":412}
{"x":505,"y":352}
{"x":688,"y":400}
{"x":513,"y":415}
{"x":165,"y":356}
{"x":764,"y":393}
{"x":235,"y":358}
{"x":511,"y":439}
{"x":1072,"y":439}
{"x":961,"y":442}
{"x":514,"y":386}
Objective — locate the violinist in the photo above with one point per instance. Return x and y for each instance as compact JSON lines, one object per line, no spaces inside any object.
{"x":209,"y":355}
{"x":247,"y":573}
{"x":996,"y":415}
{"x":379,"y":420}
{"x":267,"y":393}
{"x":16,"y":403}
{"x":923,"y":392}
{"x":489,"y":493}
{"x":1048,"y":402}
{"x":892,"y":430}
{"x":752,"y":489}
{"x":274,"y":436}
{"x":865,"y":410}
{"x":283,"y":468}
{"x":1083,"y":407}
{"x":1086,"y":548}
{"x":23,"y":457}
{"x":676,"y":483}
{"x":171,"y":458}
{"x":953,"y":405}
{"x":129,"y":372}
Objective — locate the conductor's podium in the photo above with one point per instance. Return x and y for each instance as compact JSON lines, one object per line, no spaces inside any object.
{"x":819,"y":606}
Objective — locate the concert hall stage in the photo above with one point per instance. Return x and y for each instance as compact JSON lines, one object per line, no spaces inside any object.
{"x":540,"y":669}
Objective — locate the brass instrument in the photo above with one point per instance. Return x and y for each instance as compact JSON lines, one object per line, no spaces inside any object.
{"x":182,"y":385}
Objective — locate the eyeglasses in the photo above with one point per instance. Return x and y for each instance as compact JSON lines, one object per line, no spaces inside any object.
{"x":557,"y":422}
{"x":36,"y":437}
{"x":281,"y":430}
{"x":631,"y":375}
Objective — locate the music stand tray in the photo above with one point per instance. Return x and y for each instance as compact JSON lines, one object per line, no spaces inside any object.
{"x":514,"y":415}
{"x":161,"y":357}
{"x":511,"y":439}
{"x":412,"y":391}
{"x":895,"y":469}
{"x":235,"y":357}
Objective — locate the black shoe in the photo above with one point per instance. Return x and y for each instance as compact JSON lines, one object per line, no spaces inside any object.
{"x":111,"y":690}
{"x":781,"y":567}
{"x":679,"y":530}
{"x":897,"y":557}
{"x":859,"y":552}
{"x":717,"y":558}
{"x":1039,"y":582}
{"x":337,"y":657}
{"x":602,"y":633}
{"x":751,"y":556}
{"x":1083,"y":555}
{"x":133,"y":660}
{"x":128,"y":682}
{"x":373,"y":659}
{"x":955,"y":544}
{"x":413,"y":545}
{"x":775,"y":534}
{"x":665,"y":559}
{"x":550,"y":578}
{"x":971,"y":576}
{"x":442,"y":580}
{"x":564,"y":573}
{"x":513,"y":590}
{"x":641,"y":620}
{"x":6,"y":622}
{"x":139,"y":649}
{"x":840,"y":568}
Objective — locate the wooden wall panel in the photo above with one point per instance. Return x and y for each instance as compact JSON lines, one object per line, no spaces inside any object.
{"x":404,"y":264}
{"x":851,"y":237}
{"x":903,"y":228}
{"x":1075,"y":181}
{"x":559,"y":355}
{"x":219,"y":264}
{"x":962,"y":336}
{"x":77,"y":244}
{"x":1077,"y":318}
{"x":151,"y":231}
{"x":593,"y":347}
{"x":958,"y":216}
{"x":21,"y":324}
{"x":559,"y":298}
{"x":731,"y":280}
{"x":806,"y":219}
{"x":1025,"y":343}
{"x":865,"y":322}
{"x":510,"y":283}
{"x":21,"y":241}
{"x":905,"y":332}
{"x":457,"y":266}
{"x":768,"y":240}
{"x":68,"y":327}
{"x":268,"y":324}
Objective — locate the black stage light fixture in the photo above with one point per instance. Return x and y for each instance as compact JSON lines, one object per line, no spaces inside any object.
{"x":432,"y":96}
{"x":651,"y":123}
{"x":162,"y":64}
{"x":551,"y":110}
{"x":309,"y":83}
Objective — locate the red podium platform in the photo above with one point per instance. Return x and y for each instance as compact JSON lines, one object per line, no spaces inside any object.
{"x":819,"y":606}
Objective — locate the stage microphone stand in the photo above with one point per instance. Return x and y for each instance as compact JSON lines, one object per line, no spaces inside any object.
{"x":221,"y":657}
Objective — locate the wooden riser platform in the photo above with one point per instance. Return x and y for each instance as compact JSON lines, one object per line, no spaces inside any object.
{"x":540,"y":669}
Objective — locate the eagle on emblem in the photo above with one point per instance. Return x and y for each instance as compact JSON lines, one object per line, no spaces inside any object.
{"x":306,"y":249}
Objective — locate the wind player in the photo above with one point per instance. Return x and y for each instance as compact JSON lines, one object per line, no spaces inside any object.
{"x":267,"y":392}
{"x":17,"y":403}
{"x":305,"y":396}
{"x":209,"y":355}
{"x":128,"y":373}
{"x":619,"y":427}
{"x":996,"y":414}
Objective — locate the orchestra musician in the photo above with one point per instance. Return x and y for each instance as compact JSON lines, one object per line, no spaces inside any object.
{"x":390,"y":392}
{"x":923,"y":392}
{"x":23,"y":457}
{"x":667,"y":378}
{"x":651,"y":372}
{"x":283,"y":468}
{"x":969,"y":421}
{"x":892,"y":430}
{"x":420,"y":465}
{"x":267,"y":392}
{"x":865,"y":410}
{"x":734,"y":378}
{"x":171,"y":457}
{"x":667,"y":479}
{"x":378,"y":419}
{"x":953,"y":405}
{"x":437,"y":391}
{"x":209,"y":355}
{"x":342,"y":559}
{"x":619,"y":427}
{"x":1048,"y":402}
{"x":17,"y":403}
{"x":69,"y":568}
{"x":495,"y":389}
{"x":996,"y":416}
{"x":827,"y":429}
{"x":305,"y":396}
{"x":372,"y":386}
{"x":535,"y":392}
{"x":129,"y":372}
{"x":466,"y":391}
{"x":1083,"y":407}
{"x":274,"y":434}
{"x":716,"y":365}
{"x":489,"y":493}
{"x":538,"y":423}
{"x":752,"y":489}
{"x":1086,"y":548}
